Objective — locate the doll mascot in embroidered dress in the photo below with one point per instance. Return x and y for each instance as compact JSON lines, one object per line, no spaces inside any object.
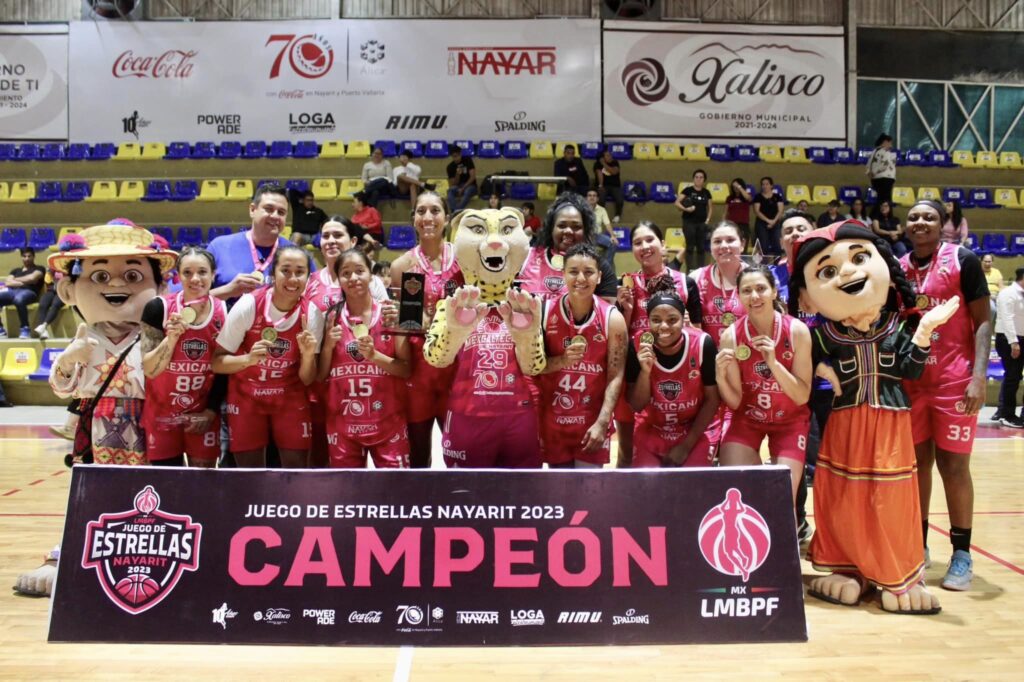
{"x":865,"y":488}
{"x":110,"y":273}
{"x":492,"y":333}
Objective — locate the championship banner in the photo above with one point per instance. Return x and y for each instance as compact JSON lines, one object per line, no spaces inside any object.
{"x":33,"y":82}
{"x":329,"y":80}
{"x":725,"y":82}
{"x":429,"y":558}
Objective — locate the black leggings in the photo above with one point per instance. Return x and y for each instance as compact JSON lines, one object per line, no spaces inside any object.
{"x":695,"y":233}
{"x":49,"y":307}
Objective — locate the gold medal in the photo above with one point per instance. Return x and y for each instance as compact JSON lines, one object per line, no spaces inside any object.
{"x":257,"y":274}
{"x":728,"y":319}
{"x":742,"y":352}
{"x":188,"y":315}
{"x":558,"y":261}
{"x":360,"y":330}
{"x":269,"y":334}
{"x":627,"y":281}
{"x":648,"y":338}
{"x":580,"y":340}
{"x":921,"y":301}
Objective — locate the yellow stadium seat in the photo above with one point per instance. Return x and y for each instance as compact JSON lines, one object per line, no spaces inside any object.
{"x":770,"y":153}
{"x":797,"y":193}
{"x":286,"y":232}
{"x":546,"y":191}
{"x":645,"y":151}
{"x":132,"y":190}
{"x":683,"y":185}
{"x":822,"y":194}
{"x":240,"y":190}
{"x":695,"y":152}
{"x":929,"y":193}
{"x":670,"y":151}
{"x":212,"y":190}
{"x":795,"y":155}
{"x":440,"y":186}
{"x":1010,"y":160}
{"x":986,"y":160}
{"x":719,"y":192}
{"x":963,"y":157}
{"x":20,"y":192}
{"x":128,"y":151}
{"x":64,"y":231}
{"x":19,"y":362}
{"x":350,"y":186}
{"x":674,"y":238}
{"x":103,"y":190}
{"x":358,"y":149}
{"x":332,"y":149}
{"x":1006,"y":197}
{"x":903,"y":196}
{"x":324,"y":188}
{"x":540,"y":149}
{"x":560,"y":148}
{"x":5,"y":191}
{"x":153,"y":150}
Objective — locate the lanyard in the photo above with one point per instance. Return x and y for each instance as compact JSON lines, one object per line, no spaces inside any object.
{"x":260,"y":264}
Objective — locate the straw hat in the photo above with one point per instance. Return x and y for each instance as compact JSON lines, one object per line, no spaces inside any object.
{"x":118,"y":238}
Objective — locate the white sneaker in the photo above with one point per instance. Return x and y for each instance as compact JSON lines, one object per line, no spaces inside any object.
{"x":41,"y":332}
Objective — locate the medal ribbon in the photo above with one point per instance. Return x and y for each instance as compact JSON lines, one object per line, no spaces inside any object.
{"x":259,"y":263}
{"x":283,"y":323}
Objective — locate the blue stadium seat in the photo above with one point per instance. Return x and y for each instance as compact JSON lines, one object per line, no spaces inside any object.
{"x":411,"y":147}
{"x":848,"y":193}
{"x":871,"y":196}
{"x":994,"y":243}
{"x":12,"y":239}
{"x":306,"y":149}
{"x":76,"y":191}
{"x":77,"y":151}
{"x":217,"y":231}
{"x":1017,"y":245}
{"x":45,"y":364}
{"x":635,"y":192}
{"x":621,"y":151}
{"x":523,"y":191}
{"x":467,"y":147}
{"x":746,"y":152}
{"x":178,"y":150}
{"x":189,"y":236}
{"x":203,"y":150}
{"x":185,"y":190}
{"x":956,"y":194}
{"x":972,"y":243}
{"x":438,"y":149}
{"x":941,"y":158}
{"x":163,"y":231}
{"x":157,"y":190}
{"x":267,"y":181}
{"x":299,"y":186}
{"x":662,"y":192}
{"x":401,"y":237}
{"x":488,"y":149}
{"x":622,"y":237}
{"x":42,"y":238}
{"x":102,"y":151}
{"x":388,"y":147}
{"x":8,"y":151}
{"x":996,"y":371}
{"x":982,"y":198}
{"x":28,"y":151}
{"x":54,"y":151}
{"x":820,"y":155}
{"x":863,"y":154}
{"x":591,"y":150}
{"x":279,"y":149}
{"x":844,"y":155}
{"x":915,"y":157}
{"x":47,"y":191}
{"x":720,"y":152}
{"x":254,"y":149}
{"x":516,"y":149}
{"x":229,"y":150}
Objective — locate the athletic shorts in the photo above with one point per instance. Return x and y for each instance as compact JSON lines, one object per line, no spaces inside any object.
{"x":937,"y":414}
{"x":388,"y":446}
{"x":506,"y":442}
{"x":252,"y":423}
{"x":165,"y":443}
{"x":428,"y":387}
{"x":651,"y":445}
{"x":562,"y":444}
{"x":787,"y":440}
{"x":623,"y":412}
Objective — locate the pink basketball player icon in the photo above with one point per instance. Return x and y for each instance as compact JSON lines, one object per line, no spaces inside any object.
{"x":733,"y":537}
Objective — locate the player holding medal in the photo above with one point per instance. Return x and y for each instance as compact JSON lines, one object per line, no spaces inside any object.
{"x":269,"y":346}
{"x":764,"y":376}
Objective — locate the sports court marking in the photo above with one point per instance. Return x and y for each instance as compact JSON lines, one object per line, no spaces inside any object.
{"x":403,"y":665}
{"x":1013,"y":567}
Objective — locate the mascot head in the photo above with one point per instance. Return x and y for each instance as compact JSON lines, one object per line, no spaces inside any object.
{"x":491,"y":247}
{"x":846,"y":273}
{"x":111,"y":271}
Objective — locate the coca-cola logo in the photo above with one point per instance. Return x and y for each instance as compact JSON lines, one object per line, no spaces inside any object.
{"x":170,"y":64}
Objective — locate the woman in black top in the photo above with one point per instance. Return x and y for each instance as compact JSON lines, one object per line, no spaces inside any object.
{"x":695,"y":204}
{"x":887,"y":226}
{"x":768,"y":210}
{"x":22,"y":288}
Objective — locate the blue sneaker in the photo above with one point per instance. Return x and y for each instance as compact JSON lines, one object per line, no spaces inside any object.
{"x":960,"y":572}
{"x":25,"y":333}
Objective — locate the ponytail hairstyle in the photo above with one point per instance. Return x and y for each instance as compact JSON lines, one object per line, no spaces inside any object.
{"x":766,"y":272}
{"x":290,"y":248}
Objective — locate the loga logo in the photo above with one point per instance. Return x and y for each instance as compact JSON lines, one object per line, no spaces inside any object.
{"x":139,"y":555}
{"x":309,"y":56}
{"x":501,"y":61}
{"x":733,"y":537}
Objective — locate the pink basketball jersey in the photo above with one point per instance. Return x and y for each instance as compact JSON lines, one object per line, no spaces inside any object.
{"x":640,"y":321}
{"x":278,"y":372}
{"x":676,"y":392}
{"x":539,"y":277}
{"x":321,"y":292}
{"x":763,"y":400}
{"x":719,"y":308}
{"x":488,"y":381}
{"x":439,"y":285}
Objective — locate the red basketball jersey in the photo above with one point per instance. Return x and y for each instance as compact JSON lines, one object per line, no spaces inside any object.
{"x":321,"y":292}
{"x":539,"y":277}
{"x":640,"y":321}
{"x":439,"y":285}
{"x":676,"y":392}
{"x":952,"y":354}
{"x":488,"y":381}
{"x":278,"y":372}
{"x":763,"y":400}
{"x":719,"y":308}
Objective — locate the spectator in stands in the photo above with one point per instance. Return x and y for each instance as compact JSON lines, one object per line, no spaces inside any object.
{"x":994,"y":279}
{"x":604,"y":232}
{"x":768,"y":208}
{"x":954,"y":230}
{"x":737,"y":207}
{"x":573,"y":170}
{"x":494,"y":201}
{"x":307,"y":217}
{"x":461,"y":180}
{"x":49,"y":305}
{"x":1009,"y":336}
{"x":695,"y":204}
{"x":881,"y":169}
{"x":803,"y":206}
{"x":887,"y":226}
{"x":831,"y":215}
{"x":381,"y":271}
{"x":857,"y":212}
{"x":532,"y":222}
{"x":21,"y":288}
{"x":367,"y":217}
{"x":407,"y":178}
{"x":376,"y":177}
{"x":243,"y":258}
{"x":608,"y":180}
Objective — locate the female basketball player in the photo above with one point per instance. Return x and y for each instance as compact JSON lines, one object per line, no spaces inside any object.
{"x":716,"y":283}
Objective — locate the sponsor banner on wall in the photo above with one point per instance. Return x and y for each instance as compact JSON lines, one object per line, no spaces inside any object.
{"x":325,"y":80}
{"x":429,"y":558}
{"x":724,"y":81}
{"x":33,"y":83}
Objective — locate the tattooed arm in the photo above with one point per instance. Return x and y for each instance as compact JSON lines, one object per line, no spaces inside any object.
{"x":157,"y":346}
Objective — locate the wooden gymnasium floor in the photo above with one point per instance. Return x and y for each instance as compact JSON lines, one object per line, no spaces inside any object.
{"x":979,"y":635}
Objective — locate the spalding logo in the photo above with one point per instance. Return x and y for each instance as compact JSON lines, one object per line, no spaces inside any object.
{"x":733,"y":537}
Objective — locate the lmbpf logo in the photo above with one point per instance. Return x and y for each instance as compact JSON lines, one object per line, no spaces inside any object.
{"x":139,"y":555}
{"x":733,"y":537}
{"x":310,"y":56}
